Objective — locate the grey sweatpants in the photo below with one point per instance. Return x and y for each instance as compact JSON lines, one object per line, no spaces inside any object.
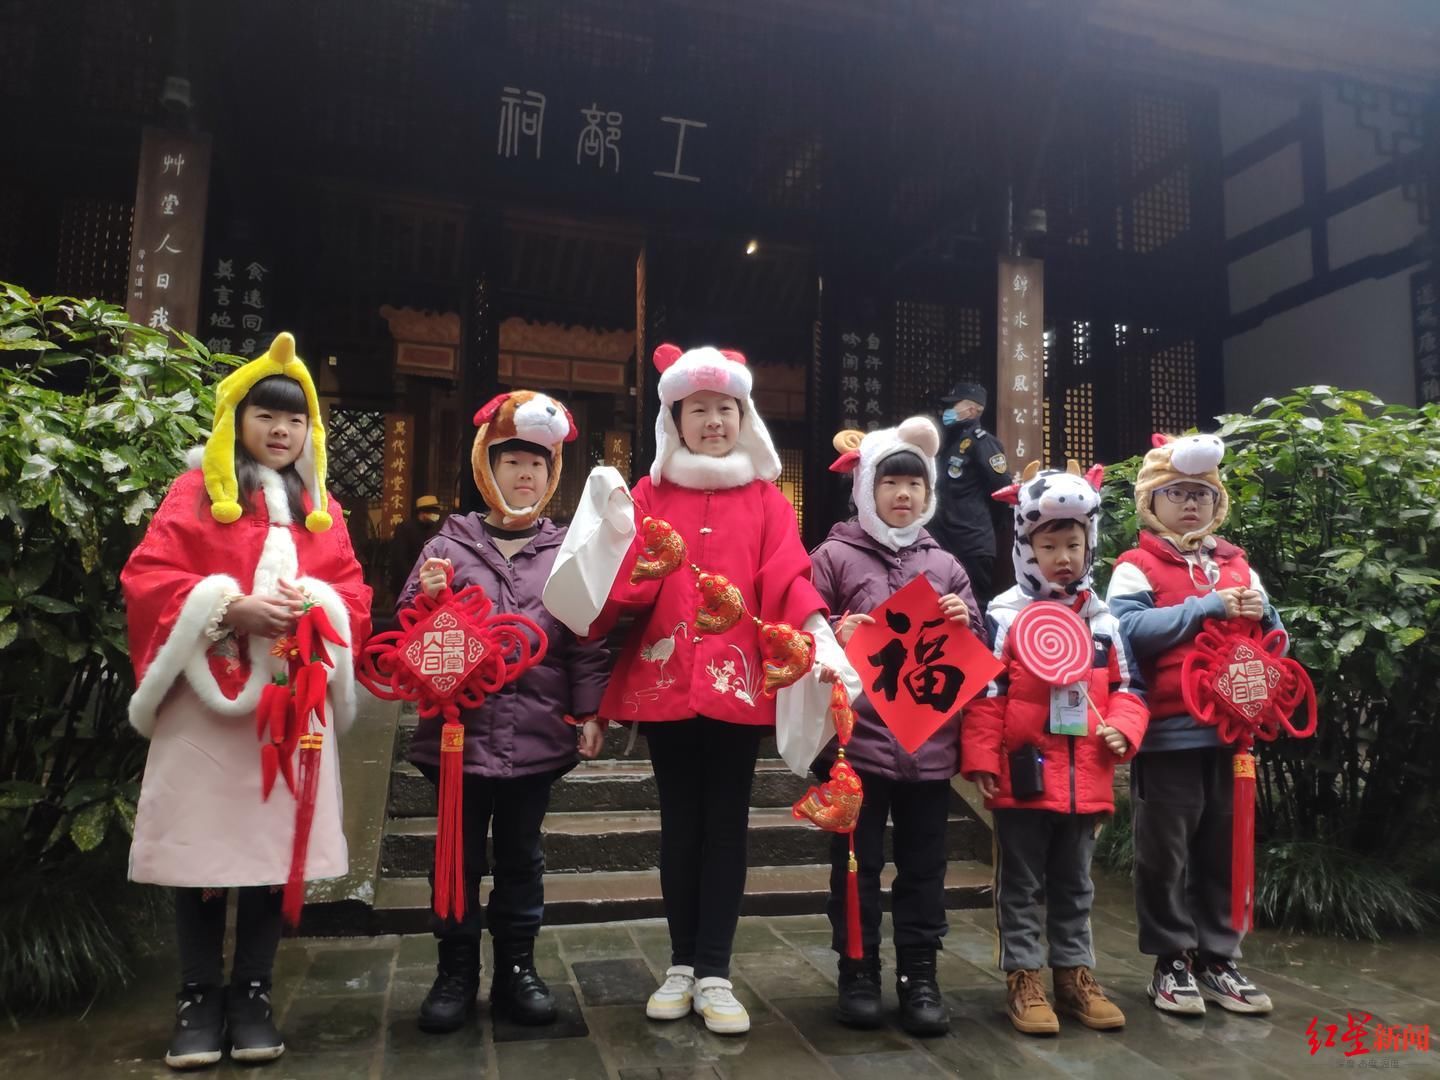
{"x":1181,"y":800}
{"x":1042,"y":883}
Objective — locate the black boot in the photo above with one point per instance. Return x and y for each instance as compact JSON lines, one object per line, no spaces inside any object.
{"x":859,"y":1002}
{"x":199,"y":1036}
{"x":517,"y":991}
{"x":457,"y":980}
{"x":250,"y":1022}
{"x":922,"y":1012}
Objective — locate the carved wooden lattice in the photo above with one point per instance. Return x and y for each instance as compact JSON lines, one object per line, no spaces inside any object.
{"x":1172,"y":388}
{"x":355,"y":441}
{"x":936,"y":346}
{"x":792,"y":481}
{"x":1155,"y":173}
{"x":93,"y":253}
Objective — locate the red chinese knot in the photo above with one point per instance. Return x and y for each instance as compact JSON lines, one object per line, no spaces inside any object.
{"x":450,"y":652}
{"x":1237,"y":679}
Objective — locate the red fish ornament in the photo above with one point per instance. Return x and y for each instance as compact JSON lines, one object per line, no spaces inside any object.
{"x":662,"y":553}
{"x":721,"y":605}
{"x":835,"y":807}
{"x":787,"y":653}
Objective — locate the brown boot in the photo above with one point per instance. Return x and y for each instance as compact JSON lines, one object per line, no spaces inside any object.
{"x":1077,"y":994}
{"x":1029,"y":1011}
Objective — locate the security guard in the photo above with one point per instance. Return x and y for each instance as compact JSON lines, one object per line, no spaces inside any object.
{"x":971,"y":465}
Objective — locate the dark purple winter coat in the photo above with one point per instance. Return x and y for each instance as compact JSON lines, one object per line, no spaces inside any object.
{"x":856,"y":573}
{"x":521,"y":730}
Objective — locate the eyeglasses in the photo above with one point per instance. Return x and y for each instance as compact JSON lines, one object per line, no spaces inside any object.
{"x":1179,"y":496}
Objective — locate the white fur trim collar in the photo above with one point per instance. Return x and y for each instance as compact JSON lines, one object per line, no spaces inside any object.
{"x":706,"y":473}
{"x":753,"y":445}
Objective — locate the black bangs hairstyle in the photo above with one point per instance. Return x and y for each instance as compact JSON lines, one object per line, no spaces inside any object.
{"x":1061,"y":525}
{"x":282,"y":394}
{"x":520,"y":446}
{"x":903,"y":463}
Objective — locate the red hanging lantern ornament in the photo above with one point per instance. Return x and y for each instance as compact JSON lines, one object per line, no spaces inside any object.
{"x":1237,"y":679}
{"x":835,"y":807}
{"x":283,"y":725}
{"x":449,"y":654}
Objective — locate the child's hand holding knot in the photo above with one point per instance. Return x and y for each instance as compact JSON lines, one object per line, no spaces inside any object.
{"x":432,"y":576}
{"x":1242,"y":603}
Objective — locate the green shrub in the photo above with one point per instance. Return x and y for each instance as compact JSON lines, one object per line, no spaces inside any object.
{"x":96,"y":414}
{"x":1336,"y":499}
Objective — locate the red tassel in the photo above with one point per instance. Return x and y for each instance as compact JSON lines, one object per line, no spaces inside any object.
{"x":854,"y":938}
{"x":449,"y":830}
{"x":287,"y":768}
{"x":1242,"y":853}
{"x":294,"y":898}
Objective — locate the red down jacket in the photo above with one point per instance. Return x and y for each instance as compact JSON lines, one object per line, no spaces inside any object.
{"x":1079,"y":771}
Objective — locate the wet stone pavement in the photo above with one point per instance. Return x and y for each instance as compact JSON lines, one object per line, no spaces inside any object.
{"x":347,"y":1008}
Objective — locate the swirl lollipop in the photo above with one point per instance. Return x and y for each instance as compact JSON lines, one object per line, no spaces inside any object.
{"x":1052,"y":642}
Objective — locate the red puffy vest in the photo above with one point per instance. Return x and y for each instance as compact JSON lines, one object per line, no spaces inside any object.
{"x":1173,"y":579}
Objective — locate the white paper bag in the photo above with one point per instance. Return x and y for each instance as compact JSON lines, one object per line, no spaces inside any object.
{"x":594,"y":547}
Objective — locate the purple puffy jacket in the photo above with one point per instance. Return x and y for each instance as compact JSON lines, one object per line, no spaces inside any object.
{"x":856,"y":573}
{"x":521,"y":730}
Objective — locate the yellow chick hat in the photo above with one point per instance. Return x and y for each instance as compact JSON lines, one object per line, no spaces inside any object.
{"x":218,"y":463}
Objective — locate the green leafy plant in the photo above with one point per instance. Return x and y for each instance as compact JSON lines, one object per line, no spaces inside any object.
{"x":96,"y":415}
{"x":1335,"y":496}
{"x":1303,"y":885}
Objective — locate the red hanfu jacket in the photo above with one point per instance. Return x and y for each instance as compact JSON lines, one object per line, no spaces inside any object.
{"x":666,"y":671}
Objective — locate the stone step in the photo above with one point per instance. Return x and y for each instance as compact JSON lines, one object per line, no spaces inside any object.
{"x":599,"y":785}
{"x":402,"y":905}
{"x":613,"y":841}
{"x":617,"y":739}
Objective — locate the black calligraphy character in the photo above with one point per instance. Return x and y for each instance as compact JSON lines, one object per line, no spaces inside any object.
{"x":933,"y":684}
{"x":936,"y":686}
{"x":889,"y":660}
{"x":898,"y":621}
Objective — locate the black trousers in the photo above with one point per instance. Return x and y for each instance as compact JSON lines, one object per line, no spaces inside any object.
{"x":514,"y":810}
{"x":919,"y":809}
{"x":1184,"y":816}
{"x":200,"y":934}
{"x":979,"y":569}
{"x":704,"y":770}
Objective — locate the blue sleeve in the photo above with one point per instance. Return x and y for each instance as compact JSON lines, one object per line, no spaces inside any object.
{"x":1152,"y":630}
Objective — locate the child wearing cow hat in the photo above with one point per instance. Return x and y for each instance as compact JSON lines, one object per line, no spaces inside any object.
{"x":700,"y":695}
{"x":1044,"y":755}
{"x":520,"y":741}
{"x":858,"y":567}
{"x":1181,"y":785}
{"x":244,"y":546}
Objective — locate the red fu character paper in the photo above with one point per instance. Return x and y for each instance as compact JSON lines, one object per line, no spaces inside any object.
{"x":918,"y":668}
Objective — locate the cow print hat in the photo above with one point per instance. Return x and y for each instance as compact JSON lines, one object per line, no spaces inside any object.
{"x":1053,"y":495}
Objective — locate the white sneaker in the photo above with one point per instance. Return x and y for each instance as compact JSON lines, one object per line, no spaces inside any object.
{"x":1172,"y":988}
{"x":672,"y":1000}
{"x":1222,"y":983}
{"x":723,"y":1014}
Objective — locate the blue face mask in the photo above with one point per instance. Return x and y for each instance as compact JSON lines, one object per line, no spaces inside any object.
{"x":949,"y":418}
